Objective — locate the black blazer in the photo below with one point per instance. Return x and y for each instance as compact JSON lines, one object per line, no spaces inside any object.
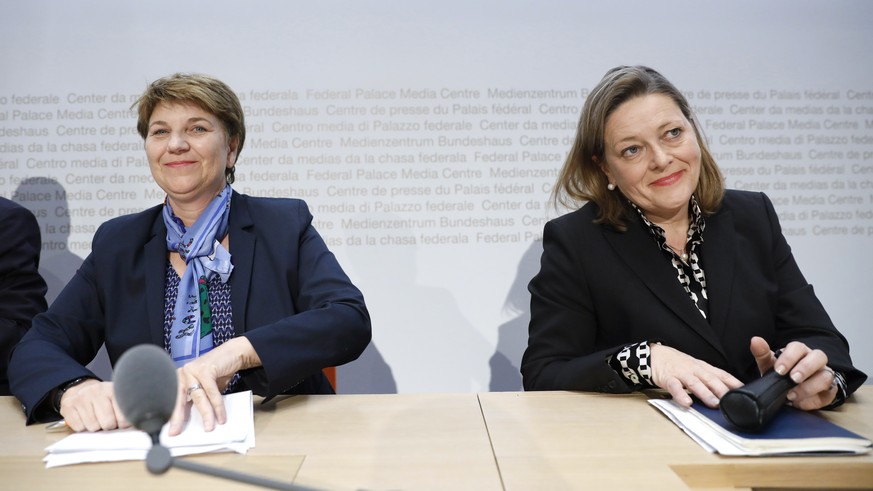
{"x":22,"y":289}
{"x":600,"y":289}
{"x":289,"y":297}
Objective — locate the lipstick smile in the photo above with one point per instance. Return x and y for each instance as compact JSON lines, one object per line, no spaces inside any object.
{"x":668,"y":180}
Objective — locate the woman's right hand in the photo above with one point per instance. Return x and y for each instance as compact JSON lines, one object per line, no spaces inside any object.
{"x":203,"y":380}
{"x":679,"y":374}
{"x":91,"y":406}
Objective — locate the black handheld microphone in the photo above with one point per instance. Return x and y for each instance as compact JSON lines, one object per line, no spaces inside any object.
{"x":145,"y":387}
{"x":751,"y":407}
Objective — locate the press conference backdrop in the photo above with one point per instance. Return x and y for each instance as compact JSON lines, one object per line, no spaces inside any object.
{"x":426,"y":138}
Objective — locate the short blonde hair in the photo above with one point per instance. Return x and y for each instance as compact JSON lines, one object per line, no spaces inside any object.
{"x":208,"y":93}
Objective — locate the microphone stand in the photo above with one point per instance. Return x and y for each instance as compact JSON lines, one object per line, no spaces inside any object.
{"x":149,"y":406}
{"x":159,"y":460}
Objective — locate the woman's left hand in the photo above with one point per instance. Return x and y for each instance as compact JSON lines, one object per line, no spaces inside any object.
{"x":807,"y":367}
{"x":202,"y":382}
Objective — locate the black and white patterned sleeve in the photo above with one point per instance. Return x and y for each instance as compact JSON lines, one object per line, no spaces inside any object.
{"x":633,"y":364}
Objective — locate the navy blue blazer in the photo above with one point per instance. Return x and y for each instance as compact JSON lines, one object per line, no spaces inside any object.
{"x":22,"y":289}
{"x":289,"y":297}
{"x":599,"y":289}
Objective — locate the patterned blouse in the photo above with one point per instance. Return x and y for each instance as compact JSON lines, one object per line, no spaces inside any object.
{"x":632,"y":362}
{"x":219,"y":303}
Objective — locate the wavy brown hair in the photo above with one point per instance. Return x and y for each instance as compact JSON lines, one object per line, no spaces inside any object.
{"x":207,"y":93}
{"x":581,"y":178}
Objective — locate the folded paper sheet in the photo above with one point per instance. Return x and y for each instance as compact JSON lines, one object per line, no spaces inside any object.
{"x":236,"y":435}
{"x":792,"y":432}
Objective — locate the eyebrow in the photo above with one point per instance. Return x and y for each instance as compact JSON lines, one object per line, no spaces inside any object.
{"x":195,"y":119}
{"x":672,"y":123}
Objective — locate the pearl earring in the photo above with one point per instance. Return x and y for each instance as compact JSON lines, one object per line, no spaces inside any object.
{"x":610,"y":186}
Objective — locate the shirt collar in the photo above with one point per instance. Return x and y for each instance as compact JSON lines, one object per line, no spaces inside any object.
{"x":695,"y":231}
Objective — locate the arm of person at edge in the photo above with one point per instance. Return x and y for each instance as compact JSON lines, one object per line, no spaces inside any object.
{"x":22,"y":289}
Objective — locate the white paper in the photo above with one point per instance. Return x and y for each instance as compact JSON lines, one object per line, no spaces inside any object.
{"x":236,"y":435}
{"x":699,"y":431}
{"x":715,"y":438}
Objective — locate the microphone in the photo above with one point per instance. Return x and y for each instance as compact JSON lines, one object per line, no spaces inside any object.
{"x":145,"y":385}
{"x":751,"y":407}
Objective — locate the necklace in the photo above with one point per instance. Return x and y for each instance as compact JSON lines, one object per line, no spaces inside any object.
{"x":680,"y":252}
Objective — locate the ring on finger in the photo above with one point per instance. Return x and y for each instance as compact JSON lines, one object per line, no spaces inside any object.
{"x":193,"y":388}
{"x":833,"y":378}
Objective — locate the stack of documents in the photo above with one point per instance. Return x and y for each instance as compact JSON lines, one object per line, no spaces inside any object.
{"x":237,"y":435}
{"x":792,"y":432}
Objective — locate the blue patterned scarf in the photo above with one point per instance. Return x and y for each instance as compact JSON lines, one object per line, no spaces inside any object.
{"x":200,"y":247}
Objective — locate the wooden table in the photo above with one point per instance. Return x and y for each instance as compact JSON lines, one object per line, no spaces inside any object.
{"x":342,"y":442}
{"x":390,"y":442}
{"x":511,"y":440}
{"x":559,"y":440}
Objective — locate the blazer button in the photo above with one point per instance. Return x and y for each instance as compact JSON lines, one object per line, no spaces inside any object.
{"x":611,"y":384}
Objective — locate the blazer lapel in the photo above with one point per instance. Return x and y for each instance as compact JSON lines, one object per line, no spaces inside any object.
{"x":637,"y":248}
{"x":719,"y":245}
{"x":242,"y":252}
{"x":155,"y":263}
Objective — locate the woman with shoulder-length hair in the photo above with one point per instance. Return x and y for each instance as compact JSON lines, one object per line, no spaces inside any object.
{"x":661,"y":277}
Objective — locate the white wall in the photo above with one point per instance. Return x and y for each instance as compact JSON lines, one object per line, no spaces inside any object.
{"x":426,"y":137}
